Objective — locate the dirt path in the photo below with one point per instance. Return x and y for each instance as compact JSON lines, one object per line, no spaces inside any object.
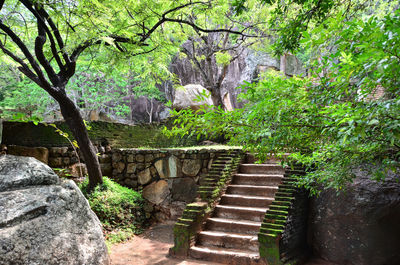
{"x":151,"y":248}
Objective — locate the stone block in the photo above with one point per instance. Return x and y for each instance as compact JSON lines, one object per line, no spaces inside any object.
{"x":40,"y":153}
{"x":66,"y":161}
{"x":148,"y":158}
{"x":131,"y":168}
{"x":116,"y":156}
{"x":140,"y":158}
{"x":156,"y":192}
{"x":55,"y":162}
{"x":130,"y":158}
{"x":191,"y":167}
{"x":144,"y":177}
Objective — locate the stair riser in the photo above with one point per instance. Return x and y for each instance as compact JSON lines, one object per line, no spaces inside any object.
{"x":251,"y":191}
{"x":257,"y":181}
{"x":229,"y":242}
{"x":225,"y":259}
{"x":239,"y":214}
{"x":229,"y":227}
{"x":245,"y":202}
{"x":261,"y":169}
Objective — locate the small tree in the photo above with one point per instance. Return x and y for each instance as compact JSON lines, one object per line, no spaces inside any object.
{"x":45,"y":39}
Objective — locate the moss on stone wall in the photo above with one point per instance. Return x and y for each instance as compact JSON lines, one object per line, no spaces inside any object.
{"x":116,"y":134}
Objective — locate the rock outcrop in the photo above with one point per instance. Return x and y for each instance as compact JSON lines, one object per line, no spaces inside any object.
{"x":188,"y":97}
{"x":360,"y":225}
{"x":44,"y":220}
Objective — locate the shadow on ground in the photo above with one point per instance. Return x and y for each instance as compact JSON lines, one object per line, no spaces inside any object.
{"x":151,"y":248}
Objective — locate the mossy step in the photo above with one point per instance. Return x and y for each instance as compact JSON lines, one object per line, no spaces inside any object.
{"x":287,"y":186}
{"x":283,"y":194}
{"x":279,"y":207}
{"x":206,"y":188}
{"x":270,"y":231}
{"x":283,"y":198}
{"x":184,"y":222}
{"x":287,"y":190}
{"x":278,"y":212}
{"x":270,"y":216}
{"x":191,"y":213}
{"x":273,"y":226}
{"x":281,"y":203}
{"x":274,"y":222}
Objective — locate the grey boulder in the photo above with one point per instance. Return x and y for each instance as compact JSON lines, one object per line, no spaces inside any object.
{"x":44,"y":220}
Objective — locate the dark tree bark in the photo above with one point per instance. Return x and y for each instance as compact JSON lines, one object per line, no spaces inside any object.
{"x":75,"y":122}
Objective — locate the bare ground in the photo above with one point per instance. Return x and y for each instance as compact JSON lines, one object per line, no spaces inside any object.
{"x":151,"y":248}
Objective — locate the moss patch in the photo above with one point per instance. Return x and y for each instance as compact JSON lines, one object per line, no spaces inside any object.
{"x":119,"y":209}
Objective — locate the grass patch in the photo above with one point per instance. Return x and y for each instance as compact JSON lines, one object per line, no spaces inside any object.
{"x":119,"y":209}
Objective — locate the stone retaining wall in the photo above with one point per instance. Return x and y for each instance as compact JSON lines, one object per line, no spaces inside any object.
{"x":169,"y":178}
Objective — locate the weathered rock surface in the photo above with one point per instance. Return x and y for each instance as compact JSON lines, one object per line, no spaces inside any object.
{"x":44,"y":220}
{"x":144,"y":176}
{"x":360,"y":226}
{"x":191,"y":167}
{"x":169,"y":168}
{"x":187,"y":97}
{"x":40,"y":153}
{"x":156,"y":192}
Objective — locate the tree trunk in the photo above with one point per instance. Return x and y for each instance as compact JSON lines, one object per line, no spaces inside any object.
{"x":75,"y":123}
{"x":216,"y":98}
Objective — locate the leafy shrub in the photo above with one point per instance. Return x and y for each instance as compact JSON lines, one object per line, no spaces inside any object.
{"x":119,"y":209}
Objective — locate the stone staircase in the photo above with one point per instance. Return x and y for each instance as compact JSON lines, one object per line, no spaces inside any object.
{"x":230,"y":234}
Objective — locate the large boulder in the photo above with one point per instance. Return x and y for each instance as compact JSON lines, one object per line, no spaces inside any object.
{"x":188,"y":97}
{"x":360,"y":225}
{"x":44,"y":220}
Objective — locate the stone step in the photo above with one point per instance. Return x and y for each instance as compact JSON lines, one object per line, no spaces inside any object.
{"x":261,"y":169}
{"x":230,"y":225}
{"x":257,"y":179}
{"x":224,"y":255}
{"x":240,"y":212}
{"x":245,"y":200}
{"x":228,"y":240}
{"x":267,"y":191}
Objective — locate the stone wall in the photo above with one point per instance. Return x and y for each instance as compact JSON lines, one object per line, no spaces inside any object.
{"x":169,"y":178}
{"x":294,"y":238}
{"x":283,"y":232}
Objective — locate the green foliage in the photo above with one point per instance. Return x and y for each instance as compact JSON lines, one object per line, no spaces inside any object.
{"x":333,"y":122}
{"x":119,"y":209}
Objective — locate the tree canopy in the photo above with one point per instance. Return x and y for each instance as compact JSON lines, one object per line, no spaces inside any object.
{"x":344,"y":116}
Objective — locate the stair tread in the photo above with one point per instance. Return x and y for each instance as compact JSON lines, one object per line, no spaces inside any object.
{"x":250,"y":197}
{"x":261,"y":165}
{"x":258,"y":175}
{"x":253,"y":186}
{"x":234,"y":221}
{"x":225,"y":251}
{"x":228,"y":234}
{"x":250,"y":209}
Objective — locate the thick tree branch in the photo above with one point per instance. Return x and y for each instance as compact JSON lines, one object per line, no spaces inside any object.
{"x":39,"y":44}
{"x":43,"y":82}
{"x":35,"y":11}
{"x":24,"y":68}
